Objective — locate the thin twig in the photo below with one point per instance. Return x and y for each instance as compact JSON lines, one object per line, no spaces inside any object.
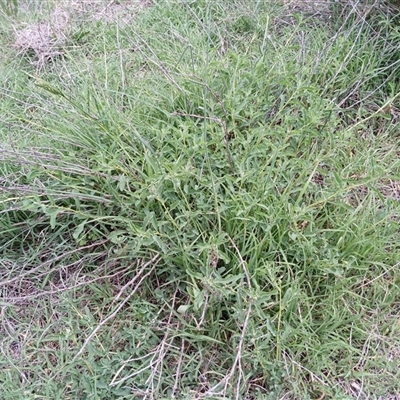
{"x":65,"y":289}
{"x":137,"y":372}
{"x":203,"y":314}
{"x":242,"y":262}
{"x":238,"y":359}
{"x":182,"y":114}
{"x":379,"y":276}
{"x":155,"y":260}
{"x":239,"y":348}
{"x":377,"y":112}
{"x":163,"y":347}
{"x":313,"y":376}
{"x":178,"y":368}
{"x":51,"y":261}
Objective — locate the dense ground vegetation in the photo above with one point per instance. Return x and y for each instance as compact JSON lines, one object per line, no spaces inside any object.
{"x":199,"y":199}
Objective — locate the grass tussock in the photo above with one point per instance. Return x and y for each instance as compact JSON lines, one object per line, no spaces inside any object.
{"x":201,"y":202}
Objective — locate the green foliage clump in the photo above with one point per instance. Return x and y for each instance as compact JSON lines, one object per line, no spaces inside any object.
{"x":235,"y":169}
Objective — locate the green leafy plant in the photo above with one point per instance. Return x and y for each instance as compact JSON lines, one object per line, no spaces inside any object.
{"x":203,"y":204}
